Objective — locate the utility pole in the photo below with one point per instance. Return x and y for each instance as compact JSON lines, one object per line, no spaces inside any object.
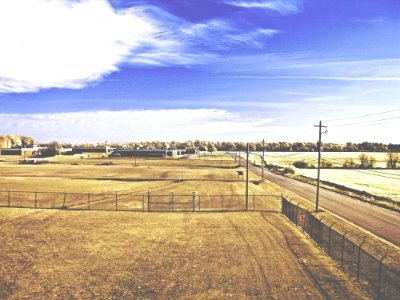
{"x":262,"y":163}
{"x":319,"y":160}
{"x":247,"y":177}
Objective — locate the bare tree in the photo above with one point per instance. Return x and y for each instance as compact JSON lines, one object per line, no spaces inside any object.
{"x":392,"y":160}
{"x":364,"y":160}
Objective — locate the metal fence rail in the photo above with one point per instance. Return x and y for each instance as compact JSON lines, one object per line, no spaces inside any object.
{"x":148,"y":202}
{"x":355,"y":255}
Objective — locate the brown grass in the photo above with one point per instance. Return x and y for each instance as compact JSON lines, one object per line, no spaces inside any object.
{"x":154,"y":175}
{"x":92,"y":254}
{"x":85,"y":254}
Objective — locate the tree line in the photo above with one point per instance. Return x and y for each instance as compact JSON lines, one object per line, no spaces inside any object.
{"x":204,"y":145}
{"x":256,"y":146}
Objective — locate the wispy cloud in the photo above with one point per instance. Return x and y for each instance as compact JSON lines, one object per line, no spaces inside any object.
{"x":70,"y":44}
{"x":373,"y":21}
{"x":284,"y":7}
{"x":307,"y":66}
{"x":322,"y":78}
{"x":225,"y":35}
{"x":134,"y":125}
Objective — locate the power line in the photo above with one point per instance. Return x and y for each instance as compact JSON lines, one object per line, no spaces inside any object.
{"x":363,"y":116}
{"x":368,"y":123}
{"x":377,"y":175}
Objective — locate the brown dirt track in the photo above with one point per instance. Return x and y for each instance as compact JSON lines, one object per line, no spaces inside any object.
{"x":108,"y":255}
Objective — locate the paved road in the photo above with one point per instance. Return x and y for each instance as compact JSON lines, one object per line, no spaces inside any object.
{"x":382,"y":222}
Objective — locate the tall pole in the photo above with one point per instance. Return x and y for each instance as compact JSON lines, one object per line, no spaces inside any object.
{"x":247,"y":177}
{"x":319,"y":162}
{"x":262,"y":163}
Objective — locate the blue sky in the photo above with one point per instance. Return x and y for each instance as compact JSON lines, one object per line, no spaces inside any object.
{"x":89,"y":71}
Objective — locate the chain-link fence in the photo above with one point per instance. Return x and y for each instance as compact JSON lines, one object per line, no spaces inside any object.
{"x":357,"y":255}
{"x":141,"y":202}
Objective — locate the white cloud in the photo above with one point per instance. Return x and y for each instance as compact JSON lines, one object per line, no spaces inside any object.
{"x":60,"y":43}
{"x":70,"y":44}
{"x":284,"y":7}
{"x":134,"y":125}
{"x":291,"y":124}
{"x":220,"y":34}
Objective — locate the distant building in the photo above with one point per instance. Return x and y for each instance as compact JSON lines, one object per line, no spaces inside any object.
{"x":81,"y":150}
{"x":24,"y":151}
{"x":194,"y":150}
{"x":124,"y":152}
{"x":10,"y":151}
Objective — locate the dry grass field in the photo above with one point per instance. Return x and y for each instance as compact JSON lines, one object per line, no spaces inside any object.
{"x":99,"y":254}
{"x":379,"y":182}
{"x":336,"y":158}
{"x":376,"y":182}
{"x":215,"y":174}
{"x":48,"y":254}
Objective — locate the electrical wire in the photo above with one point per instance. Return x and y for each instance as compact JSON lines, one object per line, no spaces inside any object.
{"x":363,"y":116}
{"x":367,"y":123}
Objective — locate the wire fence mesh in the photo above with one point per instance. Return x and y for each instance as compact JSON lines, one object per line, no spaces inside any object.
{"x":357,"y":256}
{"x":191,"y":202}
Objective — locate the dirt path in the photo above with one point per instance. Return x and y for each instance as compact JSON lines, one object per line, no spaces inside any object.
{"x":86,"y":254}
{"x":381,"y":222}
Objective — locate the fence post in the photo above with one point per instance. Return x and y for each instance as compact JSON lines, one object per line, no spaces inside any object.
{"x":116,"y":201}
{"x":65,"y":198}
{"x":305,"y":220}
{"x":321,"y":230}
{"x":359,"y":259}
{"x":142,"y":202}
{"x":88,"y":197}
{"x":342,"y":256}
{"x":330,"y":237}
{"x":9,"y":198}
{"x":312,"y":226}
{"x":291,"y":212}
{"x":35,"y":199}
{"x":380,"y":276}
{"x":148,"y":202}
{"x":194,"y":201}
{"x":171,"y":201}
{"x":54,"y":201}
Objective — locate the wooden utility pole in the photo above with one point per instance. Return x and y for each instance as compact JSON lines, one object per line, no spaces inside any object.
{"x":247,"y":177}
{"x":319,"y":161}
